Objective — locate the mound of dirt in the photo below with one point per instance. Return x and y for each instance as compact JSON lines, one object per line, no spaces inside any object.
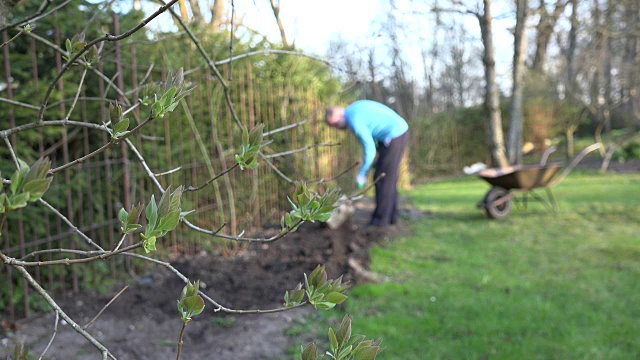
{"x":143,"y":322}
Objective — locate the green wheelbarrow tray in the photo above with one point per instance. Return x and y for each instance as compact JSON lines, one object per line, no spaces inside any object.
{"x":509,"y":181}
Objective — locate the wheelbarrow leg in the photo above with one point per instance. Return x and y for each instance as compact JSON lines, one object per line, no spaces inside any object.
{"x":552,"y":199}
{"x":550,"y":205}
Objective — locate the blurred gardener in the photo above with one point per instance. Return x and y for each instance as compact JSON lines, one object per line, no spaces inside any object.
{"x":377,"y":127}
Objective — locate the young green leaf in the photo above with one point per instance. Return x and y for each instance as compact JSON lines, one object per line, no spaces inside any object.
{"x":366,"y":353}
{"x":344,"y":333}
{"x":176,"y":197}
{"x":163,"y":204}
{"x":149,"y":244}
{"x":122,"y":216}
{"x":334,"y":340}
{"x":336,"y":298}
{"x":134,"y":215}
{"x":17,"y":180}
{"x":169,"y":222}
{"x":152,"y":213}
{"x":310,"y":352}
{"x":36,"y":188}
{"x":18,"y":201}
{"x":193,"y":303}
{"x":121,"y":127}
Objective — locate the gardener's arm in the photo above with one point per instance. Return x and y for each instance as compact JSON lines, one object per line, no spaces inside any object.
{"x":369,"y":151}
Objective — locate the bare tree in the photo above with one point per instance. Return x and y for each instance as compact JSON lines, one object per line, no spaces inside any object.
{"x":195,"y":10}
{"x":545,"y":29}
{"x":495,"y":137}
{"x":183,"y":10}
{"x":217,"y":10}
{"x":571,"y":51}
{"x":514,"y":149}
{"x":373,"y":76}
{"x":275,"y":7}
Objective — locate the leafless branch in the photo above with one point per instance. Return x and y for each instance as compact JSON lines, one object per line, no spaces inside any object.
{"x":53,"y":336}
{"x":105,"y":307}
{"x":295,"y":151}
{"x":18,"y":103}
{"x":13,"y":38}
{"x":70,"y":224}
{"x":340,"y":174}
{"x":45,"y":4}
{"x":102,"y":148}
{"x":196,"y":188}
{"x":42,"y":292}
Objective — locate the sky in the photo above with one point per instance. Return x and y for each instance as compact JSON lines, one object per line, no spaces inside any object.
{"x":312,"y":24}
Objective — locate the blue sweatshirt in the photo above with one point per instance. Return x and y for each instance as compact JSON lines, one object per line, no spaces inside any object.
{"x":371,"y":121}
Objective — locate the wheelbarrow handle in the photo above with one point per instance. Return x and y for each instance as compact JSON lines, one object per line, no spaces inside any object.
{"x":545,"y":155}
{"x":575,"y":162}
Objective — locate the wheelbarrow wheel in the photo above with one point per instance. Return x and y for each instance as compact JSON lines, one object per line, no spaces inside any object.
{"x":495,"y":206}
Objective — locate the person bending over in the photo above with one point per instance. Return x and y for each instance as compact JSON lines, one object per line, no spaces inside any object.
{"x":379,"y":129}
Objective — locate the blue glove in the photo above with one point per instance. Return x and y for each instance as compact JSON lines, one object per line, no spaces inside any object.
{"x":361,"y":180}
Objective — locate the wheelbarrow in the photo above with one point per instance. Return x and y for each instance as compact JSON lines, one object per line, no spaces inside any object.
{"x":510,"y":181}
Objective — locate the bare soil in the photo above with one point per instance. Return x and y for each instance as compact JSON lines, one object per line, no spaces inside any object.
{"x":143,"y":323}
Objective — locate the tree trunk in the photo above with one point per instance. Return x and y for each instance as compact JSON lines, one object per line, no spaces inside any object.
{"x":631,"y":61}
{"x":276,"y":12}
{"x":544,"y":31}
{"x":183,"y":10}
{"x":195,"y":10}
{"x":375,"y":87}
{"x":571,"y":52}
{"x":217,"y":9}
{"x":495,"y":136}
{"x":520,"y":48}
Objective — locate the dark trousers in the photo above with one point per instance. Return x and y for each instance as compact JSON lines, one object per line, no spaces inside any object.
{"x":389,"y":158}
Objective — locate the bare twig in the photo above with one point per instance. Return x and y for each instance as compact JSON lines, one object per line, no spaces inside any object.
{"x":144,"y":164}
{"x":102,"y":148}
{"x":105,"y":307}
{"x":45,"y":4}
{"x":275,"y":169}
{"x":180,"y":340}
{"x":18,"y":103}
{"x":102,"y":255}
{"x":295,"y":151}
{"x":13,"y":154}
{"x":55,"y":331}
{"x":168,"y":172}
{"x":196,"y":188}
{"x":75,"y":99}
{"x":124,"y":236}
{"x":13,"y":38}
{"x":6,"y":133}
{"x":336,"y":176}
{"x":240,"y":237}
{"x":70,"y":224}
{"x":42,"y":292}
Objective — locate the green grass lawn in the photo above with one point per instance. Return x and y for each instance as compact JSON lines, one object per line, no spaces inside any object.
{"x":537,"y":285}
